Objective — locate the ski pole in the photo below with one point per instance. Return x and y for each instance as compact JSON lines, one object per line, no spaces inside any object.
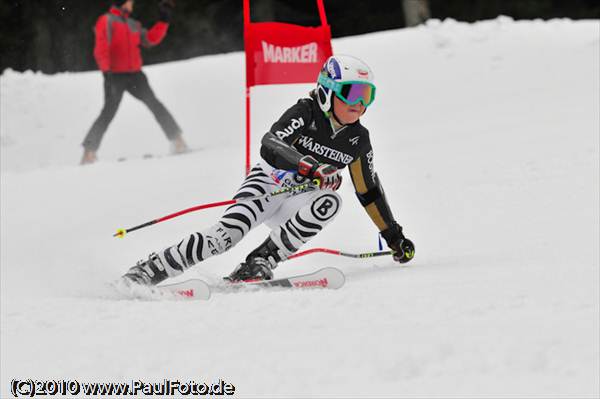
{"x":292,"y":189}
{"x":340,"y":253}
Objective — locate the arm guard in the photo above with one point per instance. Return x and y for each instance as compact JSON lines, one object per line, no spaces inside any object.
{"x":370,"y":193}
{"x":278,"y":153}
{"x":277,"y":144}
{"x":370,"y":196}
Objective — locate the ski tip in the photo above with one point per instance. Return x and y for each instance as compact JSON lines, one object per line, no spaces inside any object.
{"x":193,"y":289}
{"x":328,"y":277}
{"x":335,"y":277}
{"x":188,"y":290}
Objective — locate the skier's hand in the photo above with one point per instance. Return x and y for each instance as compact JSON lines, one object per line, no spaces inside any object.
{"x":165,"y":10}
{"x":329,"y":176}
{"x":404,"y":249}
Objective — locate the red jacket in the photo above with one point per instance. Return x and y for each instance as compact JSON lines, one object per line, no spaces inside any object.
{"x":118,"y":40}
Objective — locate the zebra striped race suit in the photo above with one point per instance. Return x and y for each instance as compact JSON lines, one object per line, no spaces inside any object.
{"x":302,"y":130}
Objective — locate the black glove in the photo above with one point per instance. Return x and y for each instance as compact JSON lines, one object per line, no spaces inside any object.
{"x":165,"y":10}
{"x":403,"y":247}
{"x":328,"y":175}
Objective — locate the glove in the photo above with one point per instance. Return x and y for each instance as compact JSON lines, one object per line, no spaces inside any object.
{"x":403,"y":247}
{"x":328,"y":175}
{"x":165,"y":10}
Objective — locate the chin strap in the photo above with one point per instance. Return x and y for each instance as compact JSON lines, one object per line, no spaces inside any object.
{"x":331,"y":114}
{"x":337,"y":120}
{"x":335,"y":132}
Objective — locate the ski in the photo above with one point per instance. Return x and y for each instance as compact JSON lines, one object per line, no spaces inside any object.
{"x":328,"y":278}
{"x":188,"y":290}
{"x":195,"y":289}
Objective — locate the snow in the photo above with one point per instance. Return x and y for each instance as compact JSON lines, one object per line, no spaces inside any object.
{"x":486,"y":139}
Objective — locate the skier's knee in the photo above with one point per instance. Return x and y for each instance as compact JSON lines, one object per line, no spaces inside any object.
{"x":324,"y":208}
{"x":306,"y":223}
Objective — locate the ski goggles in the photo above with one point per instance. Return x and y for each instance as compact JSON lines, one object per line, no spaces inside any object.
{"x":351,"y":92}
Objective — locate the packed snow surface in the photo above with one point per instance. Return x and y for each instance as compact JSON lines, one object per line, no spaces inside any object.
{"x":486,"y":139}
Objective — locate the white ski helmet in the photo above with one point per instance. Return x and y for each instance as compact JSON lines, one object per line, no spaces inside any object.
{"x":349,"y":78}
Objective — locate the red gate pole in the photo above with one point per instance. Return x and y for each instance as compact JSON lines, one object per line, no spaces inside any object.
{"x":251,"y":79}
{"x":322,"y":14}
{"x":248,"y":135}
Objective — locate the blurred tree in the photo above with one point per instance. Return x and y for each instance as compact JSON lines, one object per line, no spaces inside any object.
{"x":15,"y":35}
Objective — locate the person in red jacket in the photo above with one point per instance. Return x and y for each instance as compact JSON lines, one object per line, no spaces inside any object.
{"x":117,"y":53}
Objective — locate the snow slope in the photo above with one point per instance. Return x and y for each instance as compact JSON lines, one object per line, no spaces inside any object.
{"x":486,"y":139}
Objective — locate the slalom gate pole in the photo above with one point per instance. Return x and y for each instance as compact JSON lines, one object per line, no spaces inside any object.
{"x":312,"y":185}
{"x":340,"y":253}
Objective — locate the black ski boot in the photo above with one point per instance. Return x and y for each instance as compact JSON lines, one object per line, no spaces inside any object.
{"x":255,"y":269}
{"x":259,"y":264}
{"x":146,"y":272}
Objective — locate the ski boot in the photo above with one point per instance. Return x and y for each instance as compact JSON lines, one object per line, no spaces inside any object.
{"x":259,"y":264}
{"x":146,"y":272}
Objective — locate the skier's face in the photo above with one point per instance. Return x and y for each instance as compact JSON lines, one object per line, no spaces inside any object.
{"x":347,"y":114}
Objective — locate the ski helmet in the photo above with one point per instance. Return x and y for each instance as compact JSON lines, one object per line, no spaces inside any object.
{"x":349,"y":78}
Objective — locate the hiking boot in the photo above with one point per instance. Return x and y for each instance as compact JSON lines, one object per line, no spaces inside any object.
{"x":88,"y":157}
{"x":178,"y":145}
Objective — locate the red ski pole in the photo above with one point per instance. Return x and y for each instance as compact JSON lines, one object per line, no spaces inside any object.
{"x":340,"y":253}
{"x":293,"y":189}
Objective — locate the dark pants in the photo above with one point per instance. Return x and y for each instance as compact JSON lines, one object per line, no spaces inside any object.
{"x":137,"y":85}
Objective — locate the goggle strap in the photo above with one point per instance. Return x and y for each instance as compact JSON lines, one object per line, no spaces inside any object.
{"x":330,"y":83}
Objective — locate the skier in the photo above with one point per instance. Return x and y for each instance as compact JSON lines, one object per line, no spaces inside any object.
{"x":117,"y":53}
{"x":314,"y":139}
